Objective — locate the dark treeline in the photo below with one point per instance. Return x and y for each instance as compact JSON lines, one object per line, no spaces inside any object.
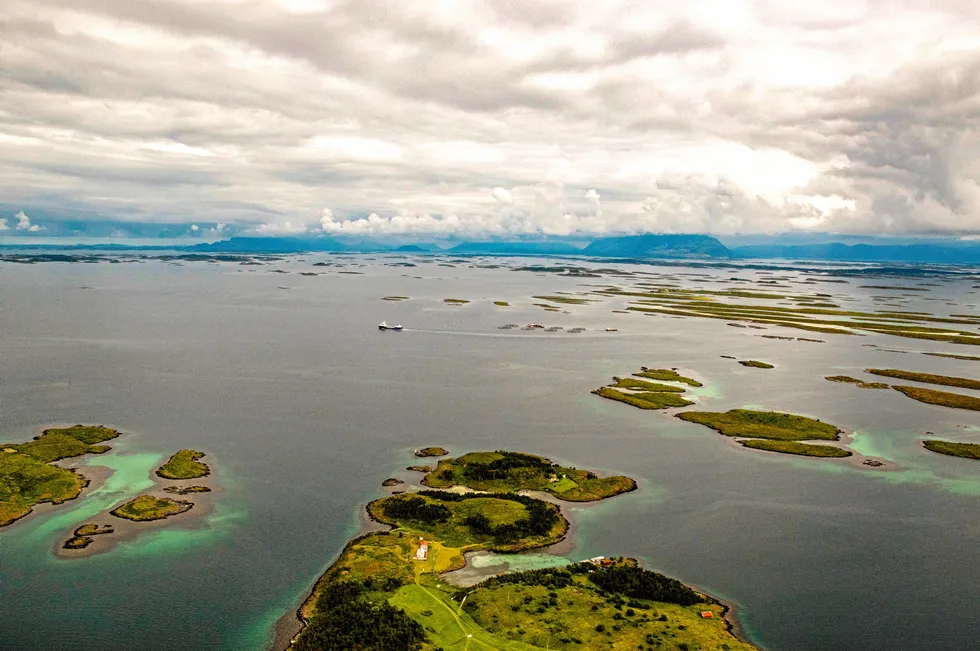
{"x":632,"y":582}
{"x":417,"y":509}
{"x":638,"y":583}
{"x":500,"y":468}
{"x":345,"y":621}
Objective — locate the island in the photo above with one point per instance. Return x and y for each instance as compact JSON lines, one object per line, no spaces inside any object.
{"x":82,"y":537}
{"x":392,"y":481}
{"x":950,"y":448}
{"x":184,"y":465}
{"x":29,"y":477}
{"x":516,"y":471}
{"x":434,"y":451}
{"x":927,"y":378}
{"x":147,"y":507}
{"x":645,"y":394}
{"x":861,"y":384}
{"x":751,"y":363}
{"x":455,"y":301}
{"x":772,"y":431}
{"x":393,"y":590}
{"x":186,"y":490}
{"x":941,"y":398}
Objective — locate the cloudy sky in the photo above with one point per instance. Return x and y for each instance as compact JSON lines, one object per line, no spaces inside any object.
{"x":494,"y":118}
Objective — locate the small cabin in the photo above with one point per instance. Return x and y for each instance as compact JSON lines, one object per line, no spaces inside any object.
{"x":707,"y":614}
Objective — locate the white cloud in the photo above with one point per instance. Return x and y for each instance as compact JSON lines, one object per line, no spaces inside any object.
{"x":714,"y":115}
{"x":195,"y":227}
{"x":24,"y":223}
{"x":3,"y":225}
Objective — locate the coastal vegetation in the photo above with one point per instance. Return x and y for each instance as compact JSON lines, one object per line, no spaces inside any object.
{"x":503,"y":471}
{"x":504,"y":522}
{"x":395,"y":298}
{"x":847,"y":379}
{"x":942,"y":398}
{"x":184,"y":465}
{"x":972,"y":358}
{"x":751,"y":363}
{"x":772,"y":425}
{"x":927,"y":378}
{"x":565,"y":300}
{"x":965,"y":450}
{"x":455,"y":301}
{"x":433,"y":451}
{"x":27,"y":476}
{"x":795,"y":447}
{"x":501,"y":303}
{"x":147,"y":507}
{"x":419,"y":468}
{"x":666,"y":375}
{"x":592,"y":606}
{"x":642,"y":385}
{"x":646,"y":400}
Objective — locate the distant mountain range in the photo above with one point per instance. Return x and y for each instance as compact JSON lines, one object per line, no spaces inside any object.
{"x":634,"y":247}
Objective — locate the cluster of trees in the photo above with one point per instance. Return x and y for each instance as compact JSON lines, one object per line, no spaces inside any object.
{"x":501,"y":468}
{"x":637,"y":583}
{"x":550,"y":578}
{"x":541,"y":516}
{"x":345,"y":620}
{"x":417,"y":509}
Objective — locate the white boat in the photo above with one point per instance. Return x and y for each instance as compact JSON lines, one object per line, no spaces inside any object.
{"x":384,"y":326}
{"x":612,"y":330}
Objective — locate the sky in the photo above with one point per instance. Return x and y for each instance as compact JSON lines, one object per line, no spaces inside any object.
{"x":491,"y":119}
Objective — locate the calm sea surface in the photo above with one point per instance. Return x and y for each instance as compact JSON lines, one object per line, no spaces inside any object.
{"x":304,"y":408}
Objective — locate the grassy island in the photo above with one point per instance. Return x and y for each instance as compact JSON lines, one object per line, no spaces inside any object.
{"x":666,"y":375}
{"x":82,"y":537}
{"x":147,"y":507}
{"x":927,"y":378}
{"x":644,"y":400}
{"x":434,"y":451}
{"x":795,"y":447}
{"x":514,"y":471}
{"x":643,"y":385}
{"x":504,"y":522}
{"x":751,"y":363}
{"x":27,"y":477}
{"x":455,"y":301}
{"x":942,"y":398}
{"x":501,"y":303}
{"x":965,"y":450}
{"x":772,"y":425}
{"x":419,"y":468}
{"x":184,"y":465}
{"x":861,"y":384}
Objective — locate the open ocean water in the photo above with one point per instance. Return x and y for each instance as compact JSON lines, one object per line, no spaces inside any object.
{"x":304,"y":407}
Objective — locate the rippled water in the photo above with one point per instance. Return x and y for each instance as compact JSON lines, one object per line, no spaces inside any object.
{"x":305,"y":408}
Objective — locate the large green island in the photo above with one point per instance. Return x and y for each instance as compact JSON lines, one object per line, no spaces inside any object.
{"x":389,"y":590}
{"x":29,"y":477}
{"x":772,"y":431}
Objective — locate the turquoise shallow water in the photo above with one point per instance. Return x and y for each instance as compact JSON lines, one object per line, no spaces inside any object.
{"x":305,"y":408}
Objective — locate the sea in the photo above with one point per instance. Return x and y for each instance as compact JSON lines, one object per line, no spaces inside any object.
{"x":304,"y":407}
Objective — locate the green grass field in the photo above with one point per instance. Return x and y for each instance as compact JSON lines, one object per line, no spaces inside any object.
{"x":146,"y":507}
{"x":795,"y":447}
{"x":950,"y":448}
{"x":184,"y":465}
{"x":477,"y":470}
{"x":763,"y":425}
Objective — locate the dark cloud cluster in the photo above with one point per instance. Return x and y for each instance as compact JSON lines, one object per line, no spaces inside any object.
{"x":288,"y":115}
